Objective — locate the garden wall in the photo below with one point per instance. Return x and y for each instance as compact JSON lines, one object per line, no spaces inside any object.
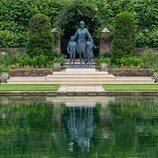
{"x":116,"y":72}
{"x":11,"y":50}
{"x":30,"y":73}
{"x":131,"y":72}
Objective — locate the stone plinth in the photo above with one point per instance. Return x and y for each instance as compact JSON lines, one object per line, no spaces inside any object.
{"x":69,"y":104}
{"x":80,"y":70}
{"x":56,"y":40}
{"x":105,"y":43}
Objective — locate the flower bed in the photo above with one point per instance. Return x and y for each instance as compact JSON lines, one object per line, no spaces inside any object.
{"x":131,"y":72}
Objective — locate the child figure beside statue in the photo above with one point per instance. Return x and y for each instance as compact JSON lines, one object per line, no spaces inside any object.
{"x":90,"y":45}
{"x":72,"y":49}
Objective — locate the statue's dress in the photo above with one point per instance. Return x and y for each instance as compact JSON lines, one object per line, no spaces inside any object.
{"x":81,"y":36}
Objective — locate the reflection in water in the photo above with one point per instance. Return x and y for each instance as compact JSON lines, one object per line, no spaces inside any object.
{"x":48,"y":130}
{"x":80,"y":126}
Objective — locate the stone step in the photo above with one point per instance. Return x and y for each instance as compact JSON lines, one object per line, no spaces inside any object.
{"x":77,"y":60}
{"x":67,"y":66}
{"x":80,"y":73}
{"x":80,"y":77}
{"x":75,"y":83}
{"x":77,"y":64}
{"x":69,"y":81}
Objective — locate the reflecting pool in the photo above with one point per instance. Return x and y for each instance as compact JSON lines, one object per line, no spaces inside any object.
{"x":79,"y":127}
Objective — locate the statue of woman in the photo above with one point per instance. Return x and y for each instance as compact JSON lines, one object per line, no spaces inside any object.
{"x":81,"y":35}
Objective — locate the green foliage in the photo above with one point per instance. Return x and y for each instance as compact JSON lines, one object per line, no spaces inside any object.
{"x":17,"y":60}
{"x":102,"y":59}
{"x":59,"y":60}
{"x":70,"y":16}
{"x":124,"y":37}
{"x":3,"y":68}
{"x":132,"y":62}
{"x":150,"y":59}
{"x":8,"y":38}
{"x":147,"y":38}
{"x":16,"y":14}
{"x":40,"y":38}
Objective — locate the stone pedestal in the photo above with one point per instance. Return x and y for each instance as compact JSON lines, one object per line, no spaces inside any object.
{"x":57,"y":67}
{"x":105,"y":43}
{"x":80,"y":104}
{"x":4,"y":76}
{"x":56,"y":40}
{"x":104,"y":67}
{"x":80,"y":70}
{"x":156,"y":76}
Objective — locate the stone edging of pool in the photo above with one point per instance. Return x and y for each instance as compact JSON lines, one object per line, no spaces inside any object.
{"x":55,"y":93}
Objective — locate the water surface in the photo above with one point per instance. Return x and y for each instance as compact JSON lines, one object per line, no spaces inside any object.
{"x":79,"y":127}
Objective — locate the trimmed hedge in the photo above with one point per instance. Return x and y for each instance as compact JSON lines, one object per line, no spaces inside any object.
{"x":124,"y":37}
{"x":40,"y":38}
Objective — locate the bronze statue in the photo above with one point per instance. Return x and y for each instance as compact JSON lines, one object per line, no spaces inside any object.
{"x":72,"y":49}
{"x":90,"y":45}
{"x":81,"y":36}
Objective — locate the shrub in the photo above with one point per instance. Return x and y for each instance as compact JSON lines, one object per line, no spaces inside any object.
{"x":9,"y":59}
{"x":8,"y":38}
{"x":150,"y":59}
{"x":102,"y":59}
{"x":123,"y":44}
{"x":40,"y":38}
{"x":3,"y":68}
{"x":132,"y":62}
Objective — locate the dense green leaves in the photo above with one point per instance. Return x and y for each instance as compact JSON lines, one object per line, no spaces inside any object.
{"x":124,"y":36}
{"x":40,"y":38}
{"x":16,"y":14}
{"x":70,"y":16}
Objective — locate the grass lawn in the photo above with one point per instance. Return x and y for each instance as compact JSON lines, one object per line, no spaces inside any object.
{"x":5,"y":87}
{"x":131,"y":87}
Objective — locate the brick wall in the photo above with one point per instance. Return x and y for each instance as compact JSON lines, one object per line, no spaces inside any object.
{"x":131,"y":72}
{"x":30,"y":73}
{"x":45,"y":72}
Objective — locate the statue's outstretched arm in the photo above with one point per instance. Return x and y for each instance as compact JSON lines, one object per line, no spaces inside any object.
{"x":68,"y":48}
{"x":76,"y":35}
{"x":88,"y":34}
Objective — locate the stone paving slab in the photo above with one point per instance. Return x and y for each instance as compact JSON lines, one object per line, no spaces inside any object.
{"x":66,"y":88}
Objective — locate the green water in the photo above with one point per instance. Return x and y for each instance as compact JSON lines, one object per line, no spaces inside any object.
{"x":102,"y":127}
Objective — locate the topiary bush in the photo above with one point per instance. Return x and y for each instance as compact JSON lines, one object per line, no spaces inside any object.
{"x":123,"y":44}
{"x":40,"y":38}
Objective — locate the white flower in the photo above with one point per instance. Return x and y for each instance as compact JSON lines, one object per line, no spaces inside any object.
{"x":3,"y":53}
